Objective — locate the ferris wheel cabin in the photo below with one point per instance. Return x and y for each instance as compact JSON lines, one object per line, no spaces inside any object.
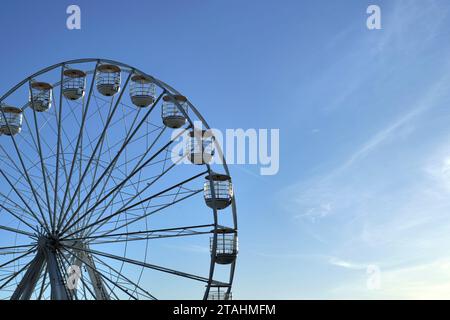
{"x":74,"y":84}
{"x":223,"y":191}
{"x":41,"y":96}
{"x":227,"y":246}
{"x":200,"y":146}
{"x":171,"y":115}
{"x":10,"y":120}
{"x":108,"y":79}
{"x":142,"y":91}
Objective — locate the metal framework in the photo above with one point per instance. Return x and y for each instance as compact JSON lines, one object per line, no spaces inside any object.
{"x":87,"y":183}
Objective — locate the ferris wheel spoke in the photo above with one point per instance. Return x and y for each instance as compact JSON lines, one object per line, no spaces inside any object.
{"x":48,"y":174}
{"x":12,"y":165}
{"x":97,"y":284}
{"x":142,"y":201}
{"x":147,"y":214}
{"x":58,"y":201}
{"x":80,"y":135}
{"x":21,"y":198}
{"x":32,"y":250}
{"x":134,"y":195}
{"x":112,"y":164}
{"x":37,"y":148}
{"x":43,"y":168}
{"x":108,"y":121}
{"x":121,"y":275}
{"x":146,"y":134}
{"x":17,"y":247}
{"x":18,"y":218}
{"x":26,"y":194}
{"x":118,"y":190}
{"x":15,"y":230}
{"x":72,"y":141}
{"x":14,"y":275}
{"x":7,"y":201}
{"x":87,"y":264}
{"x":150,"y":234}
{"x":191,"y":230}
{"x":96,"y":155}
{"x":67,"y":175}
{"x":108,"y":151}
{"x":88,"y":219}
{"x":20,"y":183}
{"x":144,"y":215}
{"x":128,"y":132}
{"x":58,"y":144}
{"x":29,"y":159}
{"x":153,"y":266}
{"x":15,"y":168}
{"x":140,"y":157}
{"x":80,"y":151}
{"x":97,"y":162}
{"x":121,"y":184}
{"x":19,"y":154}
{"x":85,"y":285}
{"x":11,"y":253}
{"x":143,"y":209}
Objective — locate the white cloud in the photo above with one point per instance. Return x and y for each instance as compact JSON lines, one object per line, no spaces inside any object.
{"x":346,"y":264}
{"x":322,"y":195}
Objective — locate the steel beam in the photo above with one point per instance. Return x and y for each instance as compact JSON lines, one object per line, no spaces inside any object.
{"x":57,"y":284}
{"x":28,"y":283}
{"x":81,"y":255}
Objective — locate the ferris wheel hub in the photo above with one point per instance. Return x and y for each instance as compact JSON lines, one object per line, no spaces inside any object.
{"x":49,"y":241}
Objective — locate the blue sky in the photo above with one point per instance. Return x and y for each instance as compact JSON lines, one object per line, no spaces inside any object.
{"x":363,"y":116}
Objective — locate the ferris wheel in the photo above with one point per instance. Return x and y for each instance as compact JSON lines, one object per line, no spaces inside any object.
{"x":93,"y":204}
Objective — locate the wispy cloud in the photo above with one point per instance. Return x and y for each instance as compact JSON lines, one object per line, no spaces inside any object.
{"x":429,"y":280}
{"x":430,"y":98}
{"x":321,"y":188}
{"x":346,"y":264}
